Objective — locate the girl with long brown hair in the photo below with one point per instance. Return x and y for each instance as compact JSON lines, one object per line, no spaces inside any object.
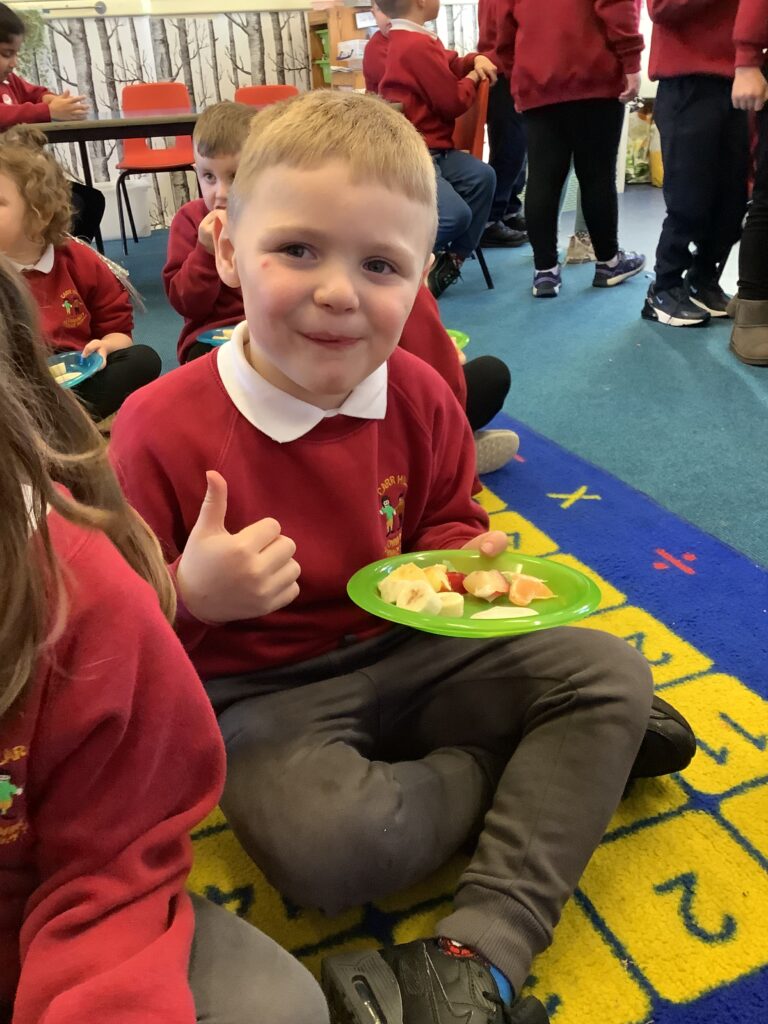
{"x":109,"y":751}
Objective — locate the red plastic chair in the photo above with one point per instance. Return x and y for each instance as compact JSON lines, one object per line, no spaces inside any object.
{"x":263,"y":95}
{"x":469,"y":135}
{"x":138,"y":158}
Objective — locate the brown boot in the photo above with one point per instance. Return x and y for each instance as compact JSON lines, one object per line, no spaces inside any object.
{"x":749,"y":338}
{"x":733,"y":305}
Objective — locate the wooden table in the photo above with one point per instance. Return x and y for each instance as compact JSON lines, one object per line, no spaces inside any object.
{"x":151,"y":126}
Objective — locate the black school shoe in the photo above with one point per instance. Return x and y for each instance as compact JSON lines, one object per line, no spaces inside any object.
{"x":668,"y":745}
{"x":417,"y":983}
{"x":501,"y":236}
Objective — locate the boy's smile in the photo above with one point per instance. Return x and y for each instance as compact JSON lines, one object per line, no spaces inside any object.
{"x":329,"y":269}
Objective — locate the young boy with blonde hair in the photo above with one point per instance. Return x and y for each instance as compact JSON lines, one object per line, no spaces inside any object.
{"x":361,"y":756}
{"x":191,"y":282}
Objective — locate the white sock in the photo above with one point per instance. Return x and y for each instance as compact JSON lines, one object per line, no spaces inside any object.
{"x":613,"y":262}
{"x":549,"y":270}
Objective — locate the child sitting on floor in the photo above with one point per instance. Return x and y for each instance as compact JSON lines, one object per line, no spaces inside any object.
{"x":435,"y":86}
{"x":97,"y":795}
{"x":191,"y":283}
{"x":83,"y":305}
{"x":361,"y":756}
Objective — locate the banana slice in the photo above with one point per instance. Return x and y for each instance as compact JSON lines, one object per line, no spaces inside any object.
{"x":417,"y":596}
{"x":451,"y":605}
{"x":389,"y":588}
{"x":409,"y":571}
{"x":503,"y":612}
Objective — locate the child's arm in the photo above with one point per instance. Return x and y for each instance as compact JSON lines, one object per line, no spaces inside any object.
{"x":109,"y":305}
{"x":129,"y":761}
{"x":621,"y":20}
{"x":750,"y":34}
{"x":448,"y":96}
{"x":667,"y":12}
{"x":191,"y":281}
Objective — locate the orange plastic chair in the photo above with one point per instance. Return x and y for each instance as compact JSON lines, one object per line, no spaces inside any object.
{"x":469,"y":135}
{"x":263,"y":95}
{"x":138,"y":157}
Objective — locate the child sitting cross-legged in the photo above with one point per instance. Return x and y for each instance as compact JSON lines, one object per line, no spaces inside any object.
{"x":84,"y":306}
{"x":361,"y":756}
{"x":435,"y":86}
{"x":191,"y":282}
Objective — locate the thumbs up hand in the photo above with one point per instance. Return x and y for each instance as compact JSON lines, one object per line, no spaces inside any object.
{"x":226,"y":576}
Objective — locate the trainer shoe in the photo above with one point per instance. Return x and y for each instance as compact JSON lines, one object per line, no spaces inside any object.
{"x":499,"y":235}
{"x":417,"y":983}
{"x":580,"y":249}
{"x":495,"y":448}
{"x":628,"y":264}
{"x":673,"y":307}
{"x":710,"y":297}
{"x":445,"y":271}
{"x":668,"y":745}
{"x":546,"y":283}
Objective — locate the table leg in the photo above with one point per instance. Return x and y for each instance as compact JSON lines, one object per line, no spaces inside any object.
{"x":88,"y":180}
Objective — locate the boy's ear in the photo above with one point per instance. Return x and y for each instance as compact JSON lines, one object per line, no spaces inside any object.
{"x":427,"y":267}
{"x":224,"y":251}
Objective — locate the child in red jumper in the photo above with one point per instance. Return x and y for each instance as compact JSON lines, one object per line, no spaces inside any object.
{"x":83,"y":306}
{"x":97,"y":795}
{"x":191,"y":283}
{"x":574,"y":65}
{"x":375,"y":52}
{"x":435,"y":86}
{"x":383,"y":747}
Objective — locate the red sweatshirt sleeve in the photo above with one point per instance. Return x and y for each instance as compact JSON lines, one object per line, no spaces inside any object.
{"x":621,"y":19}
{"x":424,"y":336}
{"x":189,"y":276}
{"x":448,"y":96}
{"x":28,"y":107}
{"x":105,"y":297}
{"x":461,"y":66}
{"x":750,"y":33}
{"x":668,"y":12}
{"x":129,"y":760}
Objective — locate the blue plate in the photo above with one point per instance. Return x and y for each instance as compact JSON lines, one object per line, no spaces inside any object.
{"x":73,"y":362}
{"x":217,"y":336}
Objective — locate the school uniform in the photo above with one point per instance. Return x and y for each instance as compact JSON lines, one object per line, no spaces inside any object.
{"x":382,"y":748}
{"x":432,"y":86}
{"x":21,"y":102}
{"x":568,"y":69}
{"x":374,"y":61}
{"x":79,"y":298}
{"x":704,"y":140}
{"x":192,"y":283}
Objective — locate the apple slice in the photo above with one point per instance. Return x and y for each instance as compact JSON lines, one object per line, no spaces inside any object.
{"x":486,"y":584}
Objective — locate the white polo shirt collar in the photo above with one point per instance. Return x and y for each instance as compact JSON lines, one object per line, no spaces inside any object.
{"x":44,"y":265}
{"x":404,"y":25}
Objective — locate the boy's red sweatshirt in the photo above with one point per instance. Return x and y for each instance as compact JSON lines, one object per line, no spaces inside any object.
{"x":693,"y":37}
{"x":325,"y":489}
{"x":374,"y":60}
{"x":191,"y":282}
{"x":111,"y":757}
{"x":750,"y":33}
{"x":80,"y":298}
{"x":429,"y":81}
{"x":568,"y":49}
{"x":21,"y":102}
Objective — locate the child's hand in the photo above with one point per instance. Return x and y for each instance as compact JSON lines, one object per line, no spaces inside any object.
{"x":68,"y":108}
{"x":474,"y":76}
{"x":106,"y":345}
{"x":631,"y":87}
{"x":205,"y":230}
{"x":486,"y":69}
{"x":750,"y":90}
{"x":492,"y":543}
{"x":224,"y":577}
{"x":97,"y":345}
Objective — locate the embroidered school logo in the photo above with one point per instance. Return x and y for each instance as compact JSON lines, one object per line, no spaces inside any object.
{"x":74,"y":310}
{"x":8,"y":792}
{"x":391,"y":494}
{"x":7,"y":99}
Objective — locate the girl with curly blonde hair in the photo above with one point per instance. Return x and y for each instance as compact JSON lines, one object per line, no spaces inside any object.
{"x":84,"y":306}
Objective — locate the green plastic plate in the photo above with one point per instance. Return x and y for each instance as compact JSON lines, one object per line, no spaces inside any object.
{"x":575,"y":594}
{"x":459,"y":338}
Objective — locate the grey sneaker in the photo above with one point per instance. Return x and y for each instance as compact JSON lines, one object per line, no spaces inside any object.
{"x":495,"y":448}
{"x":629,"y":264}
{"x":546,"y":283}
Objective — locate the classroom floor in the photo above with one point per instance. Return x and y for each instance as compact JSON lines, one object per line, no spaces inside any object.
{"x":671,"y":412}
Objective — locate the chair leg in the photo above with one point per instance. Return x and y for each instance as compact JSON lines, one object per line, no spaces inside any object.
{"x":120,"y":215}
{"x":130,"y":211}
{"x":484,"y":267}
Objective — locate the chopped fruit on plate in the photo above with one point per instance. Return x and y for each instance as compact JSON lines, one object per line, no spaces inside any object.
{"x":418,"y":597}
{"x":499,"y":611}
{"x":451,"y":605}
{"x":523,"y":588}
{"x":456,"y":581}
{"x":487,"y":584}
{"x":437,"y":577}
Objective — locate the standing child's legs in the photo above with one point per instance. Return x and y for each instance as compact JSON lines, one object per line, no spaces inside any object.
{"x":506,"y":155}
{"x":549,"y":159}
{"x":127,"y":370}
{"x":240,"y":976}
{"x":595,"y":133}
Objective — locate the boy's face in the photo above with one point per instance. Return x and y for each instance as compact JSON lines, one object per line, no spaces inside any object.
{"x":9,"y":50}
{"x":216,"y":174}
{"x":329,"y":269}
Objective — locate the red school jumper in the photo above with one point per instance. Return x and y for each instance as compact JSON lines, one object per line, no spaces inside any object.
{"x":430,"y":82}
{"x":110,"y":758}
{"x":80,"y":299}
{"x":750,"y":33}
{"x":693,"y":37}
{"x":326,"y":490}
{"x":192,"y":283}
{"x":21,"y":102}
{"x":569,"y":49}
{"x":374,"y":60}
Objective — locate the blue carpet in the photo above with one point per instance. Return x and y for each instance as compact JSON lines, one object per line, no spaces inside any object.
{"x":668,"y":923}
